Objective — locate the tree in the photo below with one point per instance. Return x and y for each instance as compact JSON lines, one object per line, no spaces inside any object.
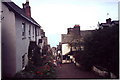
{"x":103,"y":48}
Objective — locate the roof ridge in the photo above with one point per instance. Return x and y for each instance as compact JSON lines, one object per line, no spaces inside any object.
{"x":20,"y":11}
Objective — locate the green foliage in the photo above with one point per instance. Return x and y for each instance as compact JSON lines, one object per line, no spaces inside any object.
{"x":102,"y":48}
{"x":38,"y":66}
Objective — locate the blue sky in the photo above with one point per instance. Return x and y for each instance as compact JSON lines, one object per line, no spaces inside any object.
{"x":55,"y":16}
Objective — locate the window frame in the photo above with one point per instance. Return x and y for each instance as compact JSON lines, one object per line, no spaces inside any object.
{"x":23,"y":61}
{"x":23,"y":29}
{"x":33,"y":32}
{"x":29,"y":30}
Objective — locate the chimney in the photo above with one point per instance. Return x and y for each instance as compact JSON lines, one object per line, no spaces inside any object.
{"x":27,"y":8}
{"x":77,"y":29}
{"x":108,"y":20}
{"x":69,"y":30}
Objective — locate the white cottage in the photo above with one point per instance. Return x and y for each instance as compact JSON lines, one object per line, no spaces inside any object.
{"x":18,"y":30}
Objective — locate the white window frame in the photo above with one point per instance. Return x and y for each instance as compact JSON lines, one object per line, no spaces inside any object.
{"x":23,"y":30}
{"x":33,"y":32}
{"x":29,"y":30}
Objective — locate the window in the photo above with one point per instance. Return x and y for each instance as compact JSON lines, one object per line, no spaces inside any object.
{"x":29,"y":29}
{"x":23,"y":61}
{"x":23,"y":29}
{"x":38,"y":31}
{"x":33,"y":30}
{"x":40,"y":41}
{"x":82,"y":48}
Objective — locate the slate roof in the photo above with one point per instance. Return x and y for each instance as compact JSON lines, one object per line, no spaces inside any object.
{"x":66,"y":38}
{"x":17,"y":10}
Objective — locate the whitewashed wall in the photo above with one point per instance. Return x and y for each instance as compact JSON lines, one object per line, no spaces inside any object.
{"x":38,"y":36}
{"x":65,"y":49}
{"x":13,"y":44}
{"x":21,"y":44}
{"x":8,"y":43}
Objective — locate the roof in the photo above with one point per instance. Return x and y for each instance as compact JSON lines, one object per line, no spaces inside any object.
{"x":17,"y":10}
{"x":66,"y":38}
{"x":86,"y":32}
{"x":115,"y":22}
{"x":105,"y":24}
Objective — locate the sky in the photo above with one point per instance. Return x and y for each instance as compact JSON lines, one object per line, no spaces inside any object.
{"x":55,"y":16}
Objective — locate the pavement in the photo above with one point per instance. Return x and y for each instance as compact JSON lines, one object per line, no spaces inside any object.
{"x":69,"y":70}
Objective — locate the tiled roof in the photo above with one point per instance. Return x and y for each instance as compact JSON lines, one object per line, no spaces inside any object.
{"x":17,"y":10}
